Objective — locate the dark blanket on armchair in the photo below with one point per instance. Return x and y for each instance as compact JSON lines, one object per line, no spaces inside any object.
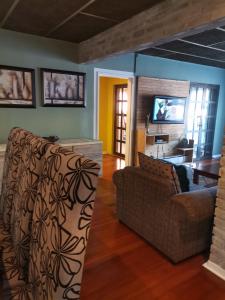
{"x":183,"y":177}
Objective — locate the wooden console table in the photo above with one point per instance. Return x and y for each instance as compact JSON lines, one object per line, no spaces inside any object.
{"x":90,"y":148}
{"x":210,"y":170}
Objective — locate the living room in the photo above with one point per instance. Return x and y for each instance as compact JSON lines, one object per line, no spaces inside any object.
{"x":120,"y":265}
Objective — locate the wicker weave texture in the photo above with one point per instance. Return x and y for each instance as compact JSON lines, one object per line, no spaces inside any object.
{"x":179,"y":225}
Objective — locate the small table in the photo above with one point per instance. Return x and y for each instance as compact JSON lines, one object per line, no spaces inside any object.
{"x":188,"y":152}
{"x":210,"y":170}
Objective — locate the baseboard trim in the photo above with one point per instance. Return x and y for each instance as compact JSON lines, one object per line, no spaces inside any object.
{"x":215,"y":269}
{"x":217,"y":156}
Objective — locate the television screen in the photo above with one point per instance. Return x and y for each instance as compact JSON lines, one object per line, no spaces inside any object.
{"x":168,"y":110}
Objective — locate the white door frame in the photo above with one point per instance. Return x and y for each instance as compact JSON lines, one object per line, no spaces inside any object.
{"x":131,"y":83}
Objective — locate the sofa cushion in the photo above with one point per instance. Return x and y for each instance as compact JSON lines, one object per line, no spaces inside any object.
{"x":160,"y":168}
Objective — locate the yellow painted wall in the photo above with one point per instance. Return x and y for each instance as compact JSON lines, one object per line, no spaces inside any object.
{"x":106,"y":111}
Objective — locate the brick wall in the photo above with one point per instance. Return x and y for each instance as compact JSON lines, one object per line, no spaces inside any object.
{"x":216,"y":262}
{"x":147,"y":88}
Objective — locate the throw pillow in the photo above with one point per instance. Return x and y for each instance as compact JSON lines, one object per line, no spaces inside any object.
{"x":160,"y":168}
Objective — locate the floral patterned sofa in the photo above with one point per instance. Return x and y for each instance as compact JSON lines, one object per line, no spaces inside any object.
{"x":46,"y":207}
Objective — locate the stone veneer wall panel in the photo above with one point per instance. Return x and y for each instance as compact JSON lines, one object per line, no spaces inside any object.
{"x":147,"y":88}
{"x":216,"y":262}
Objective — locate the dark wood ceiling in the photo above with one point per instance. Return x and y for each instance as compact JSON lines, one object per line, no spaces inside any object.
{"x":207,"y":48}
{"x":70,"y":20}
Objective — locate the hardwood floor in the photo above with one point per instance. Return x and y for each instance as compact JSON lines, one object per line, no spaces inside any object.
{"x":121,"y":265}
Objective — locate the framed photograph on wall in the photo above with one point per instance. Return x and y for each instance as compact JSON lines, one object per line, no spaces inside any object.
{"x":63,"y":88}
{"x":17,"y":87}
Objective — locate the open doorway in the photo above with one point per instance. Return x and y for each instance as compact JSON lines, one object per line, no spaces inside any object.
{"x":114,"y":112}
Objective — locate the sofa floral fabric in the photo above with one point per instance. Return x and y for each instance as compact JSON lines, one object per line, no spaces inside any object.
{"x":159,"y":168}
{"x":12,"y":158}
{"x":7,"y":161}
{"x":29,"y":173}
{"x":45,"y":229}
{"x":61,"y":222}
{"x":15,"y":247}
{"x":19,"y":292}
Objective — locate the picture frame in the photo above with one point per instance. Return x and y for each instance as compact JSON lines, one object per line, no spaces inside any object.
{"x":17,"y":87}
{"x":63,"y":88}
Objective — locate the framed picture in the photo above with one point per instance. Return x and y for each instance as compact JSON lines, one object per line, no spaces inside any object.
{"x":63,"y":88}
{"x":17,"y":87}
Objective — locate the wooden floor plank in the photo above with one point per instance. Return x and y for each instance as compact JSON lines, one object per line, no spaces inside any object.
{"x":121,"y":265}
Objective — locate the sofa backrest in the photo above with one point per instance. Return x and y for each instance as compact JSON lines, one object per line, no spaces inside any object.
{"x":28,"y":176}
{"x":160,"y":169}
{"x":14,"y":149}
{"x":8,"y":162}
{"x":61,"y":223}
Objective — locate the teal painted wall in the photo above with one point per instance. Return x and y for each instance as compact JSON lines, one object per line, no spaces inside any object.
{"x":24,"y":50}
{"x":34,"y":52}
{"x":171,"y":69}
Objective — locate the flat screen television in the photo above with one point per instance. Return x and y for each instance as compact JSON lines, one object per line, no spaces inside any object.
{"x":167,"y":109}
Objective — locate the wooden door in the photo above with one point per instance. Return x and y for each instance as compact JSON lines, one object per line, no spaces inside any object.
{"x":201,"y":116}
{"x":120,"y":119}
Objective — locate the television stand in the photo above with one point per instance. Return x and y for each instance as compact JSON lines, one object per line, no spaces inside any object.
{"x":153,"y":143}
{"x":157,"y":138}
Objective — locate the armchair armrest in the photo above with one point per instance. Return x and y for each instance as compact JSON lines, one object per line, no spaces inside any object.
{"x":118,"y":178}
{"x":195,"y":205}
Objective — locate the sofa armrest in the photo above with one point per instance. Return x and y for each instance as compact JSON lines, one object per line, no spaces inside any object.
{"x":195,"y":205}
{"x":118,"y":178}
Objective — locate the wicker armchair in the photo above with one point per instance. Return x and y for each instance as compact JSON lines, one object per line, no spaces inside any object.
{"x":178,"y":224}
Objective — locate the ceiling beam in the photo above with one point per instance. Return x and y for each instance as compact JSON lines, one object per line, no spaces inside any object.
{"x":162,"y":23}
{"x":70,"y":17}
{"x":9,"y":12}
